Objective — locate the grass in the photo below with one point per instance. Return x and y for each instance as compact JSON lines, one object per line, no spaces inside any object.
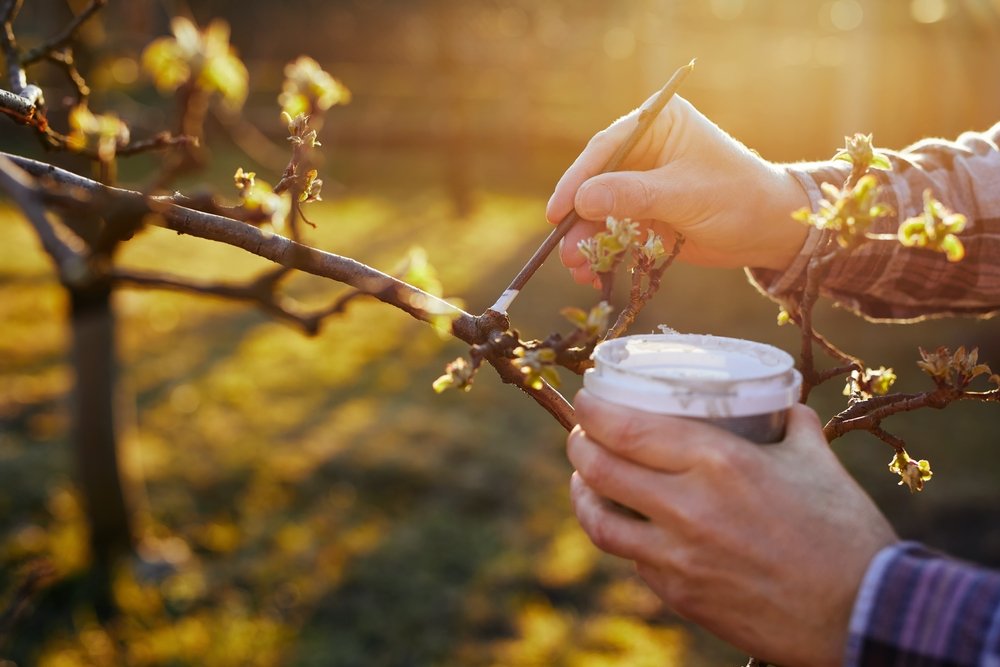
{"x":310,"y":501}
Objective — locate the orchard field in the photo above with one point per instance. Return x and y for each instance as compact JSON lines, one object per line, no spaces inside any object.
{"x":310,"y":500}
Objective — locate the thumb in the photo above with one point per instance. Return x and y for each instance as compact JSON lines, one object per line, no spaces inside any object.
{"x":804,"y":428}
{"x":622,"y":194}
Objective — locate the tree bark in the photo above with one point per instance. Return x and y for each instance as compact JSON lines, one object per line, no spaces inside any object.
{"x":95,"y":434}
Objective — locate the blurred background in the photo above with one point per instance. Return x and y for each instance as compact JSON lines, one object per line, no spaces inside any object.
{"x":310,"y":501}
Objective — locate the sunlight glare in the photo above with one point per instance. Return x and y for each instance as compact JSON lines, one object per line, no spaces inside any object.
{"x":928,"y":11}
{"x":845,"y":15}
{"x":619,"y":43}
{"x":793,"y":50}
{"x":727,"y":10}
{"x":831,"y":52}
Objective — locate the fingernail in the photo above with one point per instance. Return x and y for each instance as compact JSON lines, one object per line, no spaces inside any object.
{"x":548,"y":208}
{"x":596,"y":201}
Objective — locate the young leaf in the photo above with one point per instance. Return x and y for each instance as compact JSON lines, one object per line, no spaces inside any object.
{"x":913,"y":474}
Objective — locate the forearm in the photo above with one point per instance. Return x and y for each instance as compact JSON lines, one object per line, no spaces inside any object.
{"x":882,"y":279}
{"x":916,"y":607}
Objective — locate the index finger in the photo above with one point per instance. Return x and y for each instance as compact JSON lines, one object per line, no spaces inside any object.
{"x":663,"y":442}
{"x":588,"y":164}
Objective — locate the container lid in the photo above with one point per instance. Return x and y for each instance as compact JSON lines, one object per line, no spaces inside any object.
{"x":694,"y":375}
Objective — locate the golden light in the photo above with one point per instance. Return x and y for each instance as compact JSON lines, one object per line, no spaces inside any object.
{"x":727,"y":10}
{"x":928,"y":11}
{"x":125,"y":71}
{"x":831,"y":51}
{"x":794,"y":50}
{"x":845,"y":15}
{"x":619,"y":43}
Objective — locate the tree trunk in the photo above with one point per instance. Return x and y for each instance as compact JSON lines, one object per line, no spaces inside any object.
{"x":95,"y":438}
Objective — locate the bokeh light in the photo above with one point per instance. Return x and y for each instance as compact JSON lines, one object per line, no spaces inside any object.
{"x":845,"y":15}
{"x":619,"y":43}
{"x":310,"y":500}
{"x":928,"y":11}
{"x":727,"y":10}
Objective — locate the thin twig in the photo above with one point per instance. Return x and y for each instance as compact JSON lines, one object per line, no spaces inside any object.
{"x":38,"y":576}
{"x":639,"y":297}
{"x":266,"y":299}
{"x":893,"y":441}
{"x":159,"y":141}
{"x":816,"y":271}
{"x":9,"y":10}
{"x":65,"y":61}
{"x":67,"y":34}
{"x":260,"y":291}
{"x":8,"y":43}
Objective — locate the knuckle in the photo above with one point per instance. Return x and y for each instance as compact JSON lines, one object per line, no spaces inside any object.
{"x":593,"y":468}
{"x":628,"y":435}
{"x":808,"y":416}
{"x":686,"y":587}
{"x":645,"y":198}
{"x":602,"y":535}
{"x":721,"y":460}
{"x":683,"y":597}
{"x":683,"y":561}
{"x":671,"y":585}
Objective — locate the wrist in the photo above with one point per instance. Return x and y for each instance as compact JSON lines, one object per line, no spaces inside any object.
{"x":781,"y":238}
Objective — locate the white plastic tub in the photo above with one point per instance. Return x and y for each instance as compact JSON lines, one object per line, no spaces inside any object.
{"x":739,"y":385}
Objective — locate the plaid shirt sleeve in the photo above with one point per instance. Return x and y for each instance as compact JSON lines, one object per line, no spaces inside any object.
{"x":884,"y":280}
{"x":917,"y":607}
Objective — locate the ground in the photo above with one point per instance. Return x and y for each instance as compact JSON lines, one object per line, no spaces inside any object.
{"x":310,"y":501}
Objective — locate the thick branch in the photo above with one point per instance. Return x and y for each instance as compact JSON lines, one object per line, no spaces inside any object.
{"x":12,"y":179}
{"x":547,"y":397}
{"x":417,"y":303}
{"x":868,"y":414}
{"x":16,"y":106}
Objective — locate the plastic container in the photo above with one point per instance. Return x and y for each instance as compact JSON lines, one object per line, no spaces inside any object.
{"x":739,"y":385}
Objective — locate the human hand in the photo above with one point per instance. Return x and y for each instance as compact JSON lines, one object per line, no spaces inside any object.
{"x":686,"y":174}
{"x":763,"y":545}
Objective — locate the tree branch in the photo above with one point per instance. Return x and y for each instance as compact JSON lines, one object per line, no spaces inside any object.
{"x":547,"y":397}
{"x":8,"y":43}
{"x":417,"y":303}
{"x":259,"y":292}
{"x":639,"y":297}
{"x":65,"y":60}
{"x":869,"y":413}
{"x":69,"y":262}
{"x":63,"y":39}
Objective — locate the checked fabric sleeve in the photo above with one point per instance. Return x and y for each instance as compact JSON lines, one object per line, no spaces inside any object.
{"x":885,"y":281}
{"x":918,"y":607}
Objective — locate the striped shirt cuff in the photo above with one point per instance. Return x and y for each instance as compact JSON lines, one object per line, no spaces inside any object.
{"x":918,"y":607}
{"x":776,"y":283}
